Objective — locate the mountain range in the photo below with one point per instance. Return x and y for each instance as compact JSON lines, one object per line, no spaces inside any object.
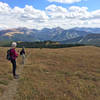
{"x":65,"y":36}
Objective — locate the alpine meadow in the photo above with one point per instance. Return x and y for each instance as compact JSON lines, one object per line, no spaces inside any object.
{"x":49,"y":49}
{"x":53,"y":74}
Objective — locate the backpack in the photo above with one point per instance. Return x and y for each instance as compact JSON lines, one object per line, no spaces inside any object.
{"x":21,"y":53}
{"x":8,"y":56}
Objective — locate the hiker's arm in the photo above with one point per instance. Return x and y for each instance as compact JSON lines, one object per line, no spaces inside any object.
{"x":15,"y":53}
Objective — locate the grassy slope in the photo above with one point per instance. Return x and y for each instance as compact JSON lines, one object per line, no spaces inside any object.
{"x":5,"y":70}
{"x":61,"y":74}
{"x":56,"y":74}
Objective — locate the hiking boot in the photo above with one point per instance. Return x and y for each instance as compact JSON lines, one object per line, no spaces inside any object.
{"x":16,"y":76}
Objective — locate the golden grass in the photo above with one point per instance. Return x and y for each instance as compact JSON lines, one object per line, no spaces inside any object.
{"x":5,"y":70}
{"x":56,"y":74}
{"x":61,"y":74}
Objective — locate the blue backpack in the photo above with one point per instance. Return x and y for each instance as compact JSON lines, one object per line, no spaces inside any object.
{"x":8,"y":56}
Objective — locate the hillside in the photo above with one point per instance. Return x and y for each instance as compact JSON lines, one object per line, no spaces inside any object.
{"x":92,"y":30}
{"x":91,"y":39}
{"x":72,"y":41}
{"x":54,"y":74}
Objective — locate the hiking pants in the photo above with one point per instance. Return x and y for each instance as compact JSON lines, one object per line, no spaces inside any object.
{"x":13,"y":61}
{"x":23,"y":59}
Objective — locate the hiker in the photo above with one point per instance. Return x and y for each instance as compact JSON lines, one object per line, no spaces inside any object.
{"x":13,"y":55}
{"x":22,"y":53}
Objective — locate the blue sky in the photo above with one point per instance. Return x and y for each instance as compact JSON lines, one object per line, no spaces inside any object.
{"x":40,"y":14}
{"x":41,"y":4}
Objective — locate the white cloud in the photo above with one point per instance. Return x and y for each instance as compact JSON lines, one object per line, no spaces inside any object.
{"x":21,"y":17}
{"x":52,"y":16}
{"x":4,"y":8}
{"x":96,"y":14}
{"x":54,"y":11}
{"x":56,"y":8}
{"x":65,"y":1}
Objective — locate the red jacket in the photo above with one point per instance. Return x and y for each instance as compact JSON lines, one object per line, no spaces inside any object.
{"x":13,"y":54}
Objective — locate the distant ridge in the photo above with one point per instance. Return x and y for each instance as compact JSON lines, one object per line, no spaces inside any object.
{"x":74,"y":35}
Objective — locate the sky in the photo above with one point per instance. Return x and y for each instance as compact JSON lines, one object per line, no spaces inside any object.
{"x":40,"y":14}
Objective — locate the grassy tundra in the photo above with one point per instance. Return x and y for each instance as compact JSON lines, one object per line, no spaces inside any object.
{"x":55,"y":74}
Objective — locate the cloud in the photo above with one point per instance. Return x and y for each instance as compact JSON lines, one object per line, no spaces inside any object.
{"x":54,"y":11}
{"x":33,"y":14}
{"x":73,"y":12}
{"x":96,"y":14}
{"x":52,"y":16}
{"x":21,"y":17}
{"x":4,"y":8}
{"x":65,"y":1}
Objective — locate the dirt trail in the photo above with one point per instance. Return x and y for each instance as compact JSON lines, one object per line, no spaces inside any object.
{"x":11,"y":90}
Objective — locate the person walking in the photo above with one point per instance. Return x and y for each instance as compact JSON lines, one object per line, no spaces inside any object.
{"x":22,"y":53}
{"x":14,"y":55}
